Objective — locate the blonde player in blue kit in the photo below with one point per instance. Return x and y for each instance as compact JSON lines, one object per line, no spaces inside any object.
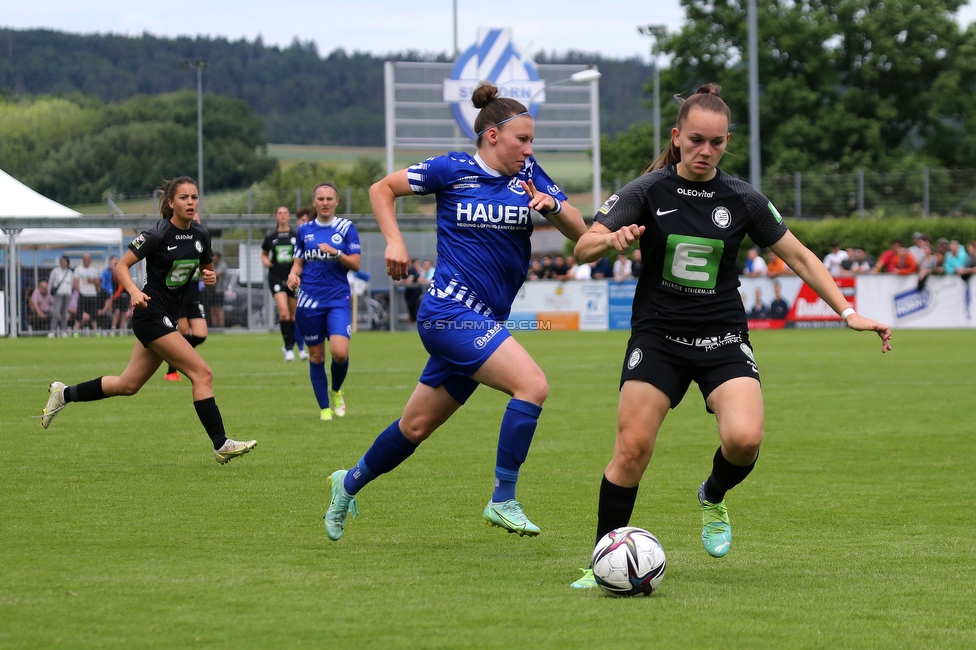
{"x":483,"y":230}
{"x":326,"y":248}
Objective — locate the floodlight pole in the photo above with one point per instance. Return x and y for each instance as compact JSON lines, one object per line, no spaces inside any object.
{"x":657,"y":32}
{"x":199,"y":65}
{"x":755,"y":169}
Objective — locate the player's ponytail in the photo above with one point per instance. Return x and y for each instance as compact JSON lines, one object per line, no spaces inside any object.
{"x":706,"y":98}
{"x":494,"y":109}
{"x":168,"y":191}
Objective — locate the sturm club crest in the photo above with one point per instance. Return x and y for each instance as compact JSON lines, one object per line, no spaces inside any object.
{"x":198,"y":245}
{"x":635,"y":359}
{"x":721,"y":217}
{"x":493,"y":58}
{"x":167,"y":322}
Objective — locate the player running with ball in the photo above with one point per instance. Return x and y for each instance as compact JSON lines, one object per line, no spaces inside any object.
{"x":688,"y":321}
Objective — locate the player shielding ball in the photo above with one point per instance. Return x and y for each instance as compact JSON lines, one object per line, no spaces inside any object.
{"x":688,"y":322}
{"x":173,"y":249}
{"x":484,"y":227}
{"x":326,"y":249}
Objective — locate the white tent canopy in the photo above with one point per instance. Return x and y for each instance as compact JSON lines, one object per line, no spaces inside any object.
{"x":18,"y":200}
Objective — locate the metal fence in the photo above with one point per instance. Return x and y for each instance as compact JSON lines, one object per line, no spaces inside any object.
{"x":919,"y":193}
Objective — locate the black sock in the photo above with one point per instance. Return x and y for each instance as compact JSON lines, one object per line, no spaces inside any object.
{"x":616,"y":506}
{"x":209,"y":416}
{"x":195,"y":340}
{"x":88,"y":391}
{"x":724,"y":477}
{"x":288,"y":333}
{"x":170,"y":369}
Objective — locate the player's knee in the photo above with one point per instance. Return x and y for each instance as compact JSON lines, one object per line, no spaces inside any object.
{"x":743,"y":447}
{"x":416,"y":430}
{"x":201,"y":375}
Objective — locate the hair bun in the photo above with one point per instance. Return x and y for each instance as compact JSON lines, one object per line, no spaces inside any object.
{"x":709,"y":89}
{"x":484,"y":94}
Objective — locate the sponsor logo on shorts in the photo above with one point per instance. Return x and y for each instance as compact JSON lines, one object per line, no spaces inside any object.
{"x":276,"y":288}
{"x":746,"y":350}
{"x":709,"y":343}
{"x":635,"y":358}
{"x":482,"y":341}
{"x":721,"y":217}
{"x":167,"y":322}
{"x":609,"y":203}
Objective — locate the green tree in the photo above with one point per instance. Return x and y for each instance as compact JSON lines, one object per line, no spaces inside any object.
{"x":31,"y":128}
{"x":845,"y":84}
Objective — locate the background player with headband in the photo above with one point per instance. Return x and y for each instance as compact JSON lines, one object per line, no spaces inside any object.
{"x":484,"y":227}
{"x":688,"y":320}
{"x":174,"y":249}
{"x":326,"y":249}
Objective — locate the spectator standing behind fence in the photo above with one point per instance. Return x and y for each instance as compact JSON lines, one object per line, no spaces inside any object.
{"x":559,"y":268}
{"x":87,"y":280}
{"x":897,"y":260}
{"x":834,"y":260}
{"x":928,"y":263}
{"x":755,"y":265}
{"x":955,"y":259}
{"x":622,"y":268}
{"x":61,"y":283}
{"x":916,"y":248}
{"x":636,"y":265}
{"x":41,"y":306}
{"x":601,"y":269}
{"x":777,"y":267}
{"x":413,"y":293}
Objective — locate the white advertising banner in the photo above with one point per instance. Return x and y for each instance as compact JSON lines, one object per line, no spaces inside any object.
{"x":944,"y":302}
{"x":563,"y":305}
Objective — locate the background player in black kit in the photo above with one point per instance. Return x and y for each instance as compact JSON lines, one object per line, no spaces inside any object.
{"x":276,"y":255}
{"x":174,"y":249}
{"x":688,"y":321}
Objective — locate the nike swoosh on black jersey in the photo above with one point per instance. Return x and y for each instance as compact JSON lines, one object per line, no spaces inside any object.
{"x":661,"y":214}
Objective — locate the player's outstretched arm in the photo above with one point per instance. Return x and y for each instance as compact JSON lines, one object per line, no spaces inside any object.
{"x":599,"y":240}
{"x":382,"y":197}
{"x":812,"y":271}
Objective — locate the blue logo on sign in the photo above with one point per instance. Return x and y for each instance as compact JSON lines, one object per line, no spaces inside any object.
{"x":913,"y":301}
{"x":496,"y":59}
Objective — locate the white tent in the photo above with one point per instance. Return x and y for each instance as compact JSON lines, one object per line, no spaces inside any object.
{"x":18,"y":200}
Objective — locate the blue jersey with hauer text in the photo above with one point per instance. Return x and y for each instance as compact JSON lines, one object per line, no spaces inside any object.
{"x":324,"y":282}
{"x":483,"y":228}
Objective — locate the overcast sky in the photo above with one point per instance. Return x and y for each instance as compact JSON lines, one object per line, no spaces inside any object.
{"x":375,"y":26}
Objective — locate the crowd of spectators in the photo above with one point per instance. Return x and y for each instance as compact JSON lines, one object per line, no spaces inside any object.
{"x":559,"y":267}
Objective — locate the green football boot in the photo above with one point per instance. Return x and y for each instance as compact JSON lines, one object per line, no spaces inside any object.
{"x":716,"y":527}
{"x":341,"y":504}
{"x":510,"y":516}
{"x":586,"y":581}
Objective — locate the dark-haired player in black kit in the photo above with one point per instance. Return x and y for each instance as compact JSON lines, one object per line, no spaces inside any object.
{"x":174,"y":249}
{"x":277,"y":256}
{"x":688,"y":320}
{"x":193,"y":318}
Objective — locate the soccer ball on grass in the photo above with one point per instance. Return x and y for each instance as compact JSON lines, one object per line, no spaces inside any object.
{"x":629,"y":561}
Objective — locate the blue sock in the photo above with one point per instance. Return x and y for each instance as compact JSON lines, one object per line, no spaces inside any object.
{"x":388,"y":450}
{"x":518,"y":427}
{"x":320,"y":383}
{"x":339,"y":373}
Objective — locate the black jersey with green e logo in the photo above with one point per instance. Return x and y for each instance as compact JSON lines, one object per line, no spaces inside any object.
{"x":280,"y":247}
{"x":689,"y":285}
{"x":172,"y":257}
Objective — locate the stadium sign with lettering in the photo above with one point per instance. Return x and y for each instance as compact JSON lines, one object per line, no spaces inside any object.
{"x":493,"y":58}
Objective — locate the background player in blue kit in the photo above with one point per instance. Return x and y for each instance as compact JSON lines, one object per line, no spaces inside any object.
{"x":326,"y":249}
{"x":483,"y":248}
{"x":174,"y":249}
{"x":688,"y":320}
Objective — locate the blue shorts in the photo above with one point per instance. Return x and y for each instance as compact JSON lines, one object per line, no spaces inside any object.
{"x":459,"y":341}
{"x":317,"y":325}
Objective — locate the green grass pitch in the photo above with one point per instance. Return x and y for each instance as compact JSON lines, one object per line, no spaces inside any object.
{"x":118,"y":529}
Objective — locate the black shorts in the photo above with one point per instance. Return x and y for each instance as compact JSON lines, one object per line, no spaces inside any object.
{"x":671,"y":363}
{"x":280,"y":286}
{"x":192,"y":309}
{"x":149,"y":325}
{"x":89,"y":305}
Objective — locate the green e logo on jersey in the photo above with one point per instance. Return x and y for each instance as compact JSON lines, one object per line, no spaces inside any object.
{"x":180,"y":272}
{"x":284,"y":253}
{"x":693,"y":261}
